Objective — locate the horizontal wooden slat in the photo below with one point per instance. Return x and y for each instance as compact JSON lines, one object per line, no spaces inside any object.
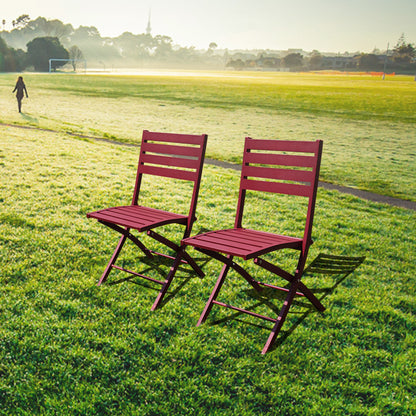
{"x":279,"y":159}
{"x":276,"y":187}
{"x":174,"y":138}
{"x":169,"y":173}
{"x":179,"y":162}
{"x":168,"y":149}
{"x":137,"y":217}
{"x":283,"y":145}
{"x":135,"y":212}
{"x":275,"y":173}
{"x":227,"y":241}
{"x":241,"y":242}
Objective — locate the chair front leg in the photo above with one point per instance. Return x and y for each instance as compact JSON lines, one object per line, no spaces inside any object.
{"x":168,"y":280}
{"x":215,"y":291}
{"x":113,"y":259}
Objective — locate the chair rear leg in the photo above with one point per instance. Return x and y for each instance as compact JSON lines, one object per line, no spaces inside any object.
{"x":282,"y":316}
{"x":313,"y":299}
{"x":193,"y":264}
{"x":214,"y":293}
{"x":112,"y":260}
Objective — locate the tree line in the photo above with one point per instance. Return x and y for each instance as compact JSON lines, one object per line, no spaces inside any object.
{"x":31,"y":43}
{"x":402,"y":58}
{"x":126,"y":50}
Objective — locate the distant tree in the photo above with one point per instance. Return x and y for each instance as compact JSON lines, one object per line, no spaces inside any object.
{"x":267,"y":62}
{"x":212,"y":46}
{"x":21,"y":21}
{"x":315,"y":60}
{"x":40,"y":50}
{"x":403,"y":52}
{"x":4,"y":24}
{"x":369,"y":61}
{"x":5,"y":56}
{"x":237,"y":64}
{"x":163,"y":47}
{"x":293,"y":61}
{"x":75,"y":54}
{"x":145,"y":46}
{"x":43,"y":27}
{"x":11,"y":60}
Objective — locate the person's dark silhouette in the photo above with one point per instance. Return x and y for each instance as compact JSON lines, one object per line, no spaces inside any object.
{"x":20,"y":88}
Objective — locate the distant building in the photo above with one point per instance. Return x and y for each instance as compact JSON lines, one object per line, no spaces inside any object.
{"x":149,"y":27}
{"x":338,"y":62}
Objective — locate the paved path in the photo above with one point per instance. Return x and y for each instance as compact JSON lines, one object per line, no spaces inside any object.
{"x":396,"y":202}
{"x":356,"y":192}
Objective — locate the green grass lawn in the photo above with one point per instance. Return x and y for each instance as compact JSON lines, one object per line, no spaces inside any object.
{"x":367,"y":124}
{"x":69,"y":347}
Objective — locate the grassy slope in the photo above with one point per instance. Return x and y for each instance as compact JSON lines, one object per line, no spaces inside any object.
{"x":69,"y":347}
{"x":367,"y":124}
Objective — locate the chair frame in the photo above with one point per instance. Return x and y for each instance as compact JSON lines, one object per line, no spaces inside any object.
{"x":177,"y":156}
{"x":276,"y":177}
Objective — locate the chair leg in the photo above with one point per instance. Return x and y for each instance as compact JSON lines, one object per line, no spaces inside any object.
{"x":214,"y":293}
{"x":187,"y":258}
{"x":282,"y":316}
{"x":168,"y":280}
{"x":313,"y":299}
{"x":193,"y":264}
{"x":112,"y":260}
{"x":287,"y":276}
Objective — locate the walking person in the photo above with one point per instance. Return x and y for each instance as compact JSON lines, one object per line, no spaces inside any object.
{"x":20,"y":88}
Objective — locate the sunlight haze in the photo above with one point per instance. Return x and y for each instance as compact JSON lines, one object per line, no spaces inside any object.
{"x":325,"y":25}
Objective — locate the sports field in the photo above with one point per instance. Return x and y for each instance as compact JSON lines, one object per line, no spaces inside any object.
{"x":69,"y":347}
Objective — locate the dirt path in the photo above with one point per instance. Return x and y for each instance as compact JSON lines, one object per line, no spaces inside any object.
{"x":396,"y":202}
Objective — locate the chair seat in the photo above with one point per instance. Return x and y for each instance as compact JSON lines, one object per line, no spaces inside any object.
{"x":242,"y":242}
{"x":137,"y":217}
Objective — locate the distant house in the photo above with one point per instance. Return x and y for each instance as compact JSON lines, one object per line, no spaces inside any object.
{"x":339,"y":62}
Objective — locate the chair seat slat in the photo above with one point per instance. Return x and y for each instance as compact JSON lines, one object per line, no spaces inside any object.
{"x":136,"y":217}
{"x":241,"y":242}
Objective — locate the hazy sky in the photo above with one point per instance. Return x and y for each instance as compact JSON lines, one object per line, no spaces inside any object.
{"x":326,"y":25}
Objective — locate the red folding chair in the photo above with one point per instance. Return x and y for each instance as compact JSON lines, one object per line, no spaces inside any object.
{"x":281,"y":167}
{"x":177,"y":156}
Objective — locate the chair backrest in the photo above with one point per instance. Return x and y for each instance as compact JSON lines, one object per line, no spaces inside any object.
{"x":284,"y":167}
{"x":178,"y":156}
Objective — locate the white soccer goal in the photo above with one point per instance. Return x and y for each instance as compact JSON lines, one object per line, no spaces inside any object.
{"x":68,"y":65}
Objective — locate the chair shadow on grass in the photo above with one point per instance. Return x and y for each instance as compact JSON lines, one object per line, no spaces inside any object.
{"x":324,"y":264}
